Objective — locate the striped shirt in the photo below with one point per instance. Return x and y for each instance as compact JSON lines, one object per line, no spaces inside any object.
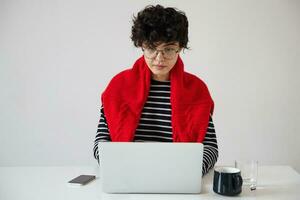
{"x":155,"y":125}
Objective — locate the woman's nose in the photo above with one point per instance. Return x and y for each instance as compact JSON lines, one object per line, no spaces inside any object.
{"x":160,"y":56}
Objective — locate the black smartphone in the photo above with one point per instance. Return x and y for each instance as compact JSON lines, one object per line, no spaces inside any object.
{"x":82,"y":179}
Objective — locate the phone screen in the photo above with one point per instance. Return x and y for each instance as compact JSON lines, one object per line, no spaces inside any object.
{"x":82,"y":179}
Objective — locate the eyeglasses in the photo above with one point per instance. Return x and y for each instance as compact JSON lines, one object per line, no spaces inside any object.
{"x":168,"y":53}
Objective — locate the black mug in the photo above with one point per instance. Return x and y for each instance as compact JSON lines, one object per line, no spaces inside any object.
{"x":227,"y":181}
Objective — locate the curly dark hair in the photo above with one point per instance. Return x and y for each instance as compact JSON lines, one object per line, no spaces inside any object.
{"x":156,"y":24}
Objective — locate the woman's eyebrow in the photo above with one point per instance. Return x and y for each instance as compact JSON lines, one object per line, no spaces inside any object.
{"x":170,"y":43}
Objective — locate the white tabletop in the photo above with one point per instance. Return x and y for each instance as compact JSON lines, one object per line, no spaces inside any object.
{"x":274,"y":182}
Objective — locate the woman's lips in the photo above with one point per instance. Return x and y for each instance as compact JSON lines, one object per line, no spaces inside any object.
{"x":160,"y":66}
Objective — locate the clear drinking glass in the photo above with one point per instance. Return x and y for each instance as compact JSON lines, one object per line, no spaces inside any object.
{"x":249,"y":172}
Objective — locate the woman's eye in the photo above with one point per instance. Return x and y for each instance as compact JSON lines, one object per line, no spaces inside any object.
{"x":168,"y":49}
{"x":151,"y":50}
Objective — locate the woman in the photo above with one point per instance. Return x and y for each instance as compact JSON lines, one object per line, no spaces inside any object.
{"x":156,"y":100}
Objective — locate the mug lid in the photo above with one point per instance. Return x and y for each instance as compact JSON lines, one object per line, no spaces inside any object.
{"x":226,"y":170}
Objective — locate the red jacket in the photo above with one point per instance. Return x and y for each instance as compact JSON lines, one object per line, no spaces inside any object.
{"x":124,"y":98}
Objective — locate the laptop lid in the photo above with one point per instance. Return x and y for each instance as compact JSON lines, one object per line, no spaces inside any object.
{"x":144,"y":167}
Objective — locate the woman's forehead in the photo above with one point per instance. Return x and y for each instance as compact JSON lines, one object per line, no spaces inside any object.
{"x":163,"y":44}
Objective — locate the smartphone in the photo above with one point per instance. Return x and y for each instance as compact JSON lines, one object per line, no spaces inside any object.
{"x":82,"y":179}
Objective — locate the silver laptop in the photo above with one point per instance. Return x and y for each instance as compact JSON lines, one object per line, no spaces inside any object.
{"x":144,"y":167}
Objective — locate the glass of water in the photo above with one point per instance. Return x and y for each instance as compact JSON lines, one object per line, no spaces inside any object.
{"x":249,"y":172}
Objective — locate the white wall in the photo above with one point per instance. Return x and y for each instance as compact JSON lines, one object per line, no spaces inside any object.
{"x":56,"y":57}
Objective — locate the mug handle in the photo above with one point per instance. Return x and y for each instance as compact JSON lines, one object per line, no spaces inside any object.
{"x":238,"y":181}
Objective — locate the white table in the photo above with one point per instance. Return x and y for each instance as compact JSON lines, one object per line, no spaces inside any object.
{"x":29,"y":183}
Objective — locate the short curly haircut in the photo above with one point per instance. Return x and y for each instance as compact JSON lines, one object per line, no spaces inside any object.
{"x":156,"y":24}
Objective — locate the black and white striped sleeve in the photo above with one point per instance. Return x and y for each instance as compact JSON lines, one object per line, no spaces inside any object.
{"x":102,"y":134}
{"x":210,"y":154}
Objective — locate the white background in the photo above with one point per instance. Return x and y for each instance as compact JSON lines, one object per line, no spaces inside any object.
{"x":56,"y":58}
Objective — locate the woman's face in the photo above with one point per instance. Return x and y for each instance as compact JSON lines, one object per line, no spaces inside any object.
{"x":161,"y":59}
